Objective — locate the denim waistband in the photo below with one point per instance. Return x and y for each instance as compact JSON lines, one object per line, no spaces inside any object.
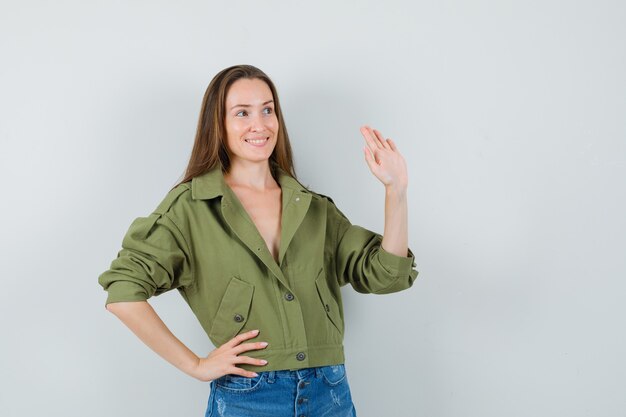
{"x":295,"y":374}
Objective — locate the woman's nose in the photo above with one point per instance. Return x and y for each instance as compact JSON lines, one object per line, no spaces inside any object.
{"x":257,"y":122}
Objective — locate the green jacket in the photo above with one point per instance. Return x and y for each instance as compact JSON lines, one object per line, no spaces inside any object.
{"x":201,"y":241}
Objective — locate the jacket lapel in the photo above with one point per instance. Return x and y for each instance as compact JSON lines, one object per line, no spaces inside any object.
{"x":295,"y":204}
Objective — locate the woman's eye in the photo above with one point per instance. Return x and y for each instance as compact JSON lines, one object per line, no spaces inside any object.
{"x":267,"y":108}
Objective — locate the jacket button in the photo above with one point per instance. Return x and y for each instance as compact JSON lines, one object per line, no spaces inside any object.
{"x":289,"y":296}
{"x":238,"y":318}
{"x":300,"y":356}
{"x":327,"y":308}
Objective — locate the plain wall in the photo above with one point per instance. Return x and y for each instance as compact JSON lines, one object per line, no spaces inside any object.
{"x":510,"y":116}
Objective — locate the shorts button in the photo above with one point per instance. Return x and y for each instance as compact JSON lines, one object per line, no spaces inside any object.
{"x":300,"y":356}
{"x":238,"y":318}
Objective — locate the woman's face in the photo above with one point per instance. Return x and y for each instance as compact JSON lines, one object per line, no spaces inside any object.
{"x":251,"y":124}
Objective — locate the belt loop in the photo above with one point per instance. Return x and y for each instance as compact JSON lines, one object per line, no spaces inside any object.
{"x":270,"y":376}
{"x":318,"y":371}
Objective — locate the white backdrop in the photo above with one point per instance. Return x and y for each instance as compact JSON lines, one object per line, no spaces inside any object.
{"x":510,"y":115}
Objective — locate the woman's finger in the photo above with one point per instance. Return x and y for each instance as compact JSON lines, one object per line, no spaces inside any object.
{"x":370,"y":138}
{"x":242,"y":372}
{"x":371,"y":160}
{"x":381,"y":139}
{"x":240,"y":338}
{"x":248,"y":346}
{"x":251,"y":361}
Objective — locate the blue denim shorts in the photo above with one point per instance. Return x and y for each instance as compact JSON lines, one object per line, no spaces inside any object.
{"x":306,"y":392}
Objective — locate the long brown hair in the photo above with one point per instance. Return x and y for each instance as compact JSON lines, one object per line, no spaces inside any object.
{"x":209,"y":148}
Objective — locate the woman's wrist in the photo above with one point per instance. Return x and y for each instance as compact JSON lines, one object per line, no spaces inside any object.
{"x":191,"y":366}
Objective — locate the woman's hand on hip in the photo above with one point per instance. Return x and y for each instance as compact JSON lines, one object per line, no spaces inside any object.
{"x":222,"y":360}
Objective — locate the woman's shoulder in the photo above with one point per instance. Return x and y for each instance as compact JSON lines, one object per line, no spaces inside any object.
{"x":319,"y":195}
{"x":178,"y":196}
{"x":332,"y":211}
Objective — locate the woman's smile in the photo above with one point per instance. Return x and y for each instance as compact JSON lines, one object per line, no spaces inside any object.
{"x":257,"y":142}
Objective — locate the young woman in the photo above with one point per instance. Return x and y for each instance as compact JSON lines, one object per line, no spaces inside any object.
{"x":260,"y":259}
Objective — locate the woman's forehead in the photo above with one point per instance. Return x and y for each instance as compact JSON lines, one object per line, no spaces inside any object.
{"x":246,"y":91}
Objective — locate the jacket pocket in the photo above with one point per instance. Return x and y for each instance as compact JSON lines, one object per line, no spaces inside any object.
{"x":328,"y":302}
{"x":233,"y":311}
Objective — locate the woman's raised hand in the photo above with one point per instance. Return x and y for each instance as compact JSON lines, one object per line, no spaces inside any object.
{"x":222,"y":360}
{"x":384,"y":159}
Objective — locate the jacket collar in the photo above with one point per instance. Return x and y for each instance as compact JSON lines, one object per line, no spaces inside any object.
{"x":212,"y":184}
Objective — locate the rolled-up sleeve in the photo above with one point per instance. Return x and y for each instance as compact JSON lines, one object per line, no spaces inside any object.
{"x":154,"y":259}
{"x":361,"y":261}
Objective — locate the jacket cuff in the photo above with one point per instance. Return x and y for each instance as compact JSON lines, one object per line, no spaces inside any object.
{"x":396,"y":265}
{"x":125,"y":291}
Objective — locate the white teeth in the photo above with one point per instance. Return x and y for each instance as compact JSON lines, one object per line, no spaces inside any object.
{"x":256,"y":141}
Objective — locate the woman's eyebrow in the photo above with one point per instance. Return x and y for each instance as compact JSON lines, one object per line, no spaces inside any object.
{"x":250,"y":105}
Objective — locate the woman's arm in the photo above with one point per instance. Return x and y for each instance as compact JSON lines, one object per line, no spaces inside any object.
{"x":388,"y":165}
{"x":372,"y":263}
{"x":395,"y":235}
{"x":140,"y":317}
